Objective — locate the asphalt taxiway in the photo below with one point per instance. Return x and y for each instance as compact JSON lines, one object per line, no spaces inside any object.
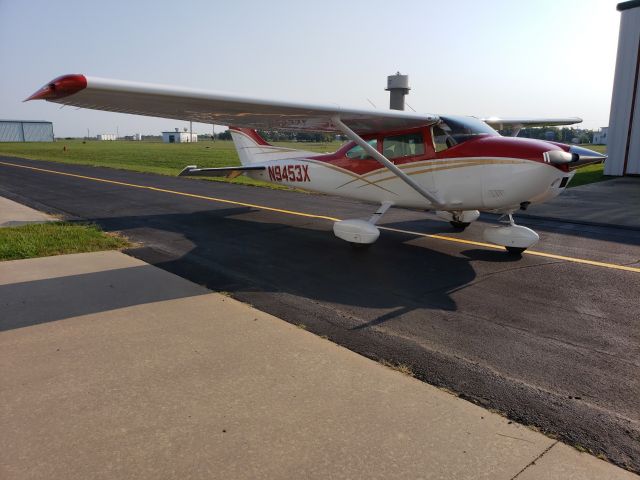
{"x":550,"y":339}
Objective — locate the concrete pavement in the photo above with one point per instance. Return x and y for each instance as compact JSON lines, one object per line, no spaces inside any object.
{"x":614,"y":202}
{"x":112,"y":368}
{"x":13,"y":214}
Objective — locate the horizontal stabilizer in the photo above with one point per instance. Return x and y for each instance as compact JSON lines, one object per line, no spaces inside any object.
{"x":194,"y":171}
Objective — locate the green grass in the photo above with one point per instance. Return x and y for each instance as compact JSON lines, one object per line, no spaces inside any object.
{"x":55,"y":238}
{"x":153,"y":157}
{"x":590,"y":173}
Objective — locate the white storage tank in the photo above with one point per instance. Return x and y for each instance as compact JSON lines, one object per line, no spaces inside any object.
{"x":106,"y":136}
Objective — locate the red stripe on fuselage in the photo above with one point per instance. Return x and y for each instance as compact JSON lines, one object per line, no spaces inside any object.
{"x":482,"y":146}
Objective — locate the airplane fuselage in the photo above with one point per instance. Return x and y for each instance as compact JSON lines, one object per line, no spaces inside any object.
{"x":489,"y":173}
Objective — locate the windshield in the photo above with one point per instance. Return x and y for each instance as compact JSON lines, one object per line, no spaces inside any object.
{"x":451,"y":131}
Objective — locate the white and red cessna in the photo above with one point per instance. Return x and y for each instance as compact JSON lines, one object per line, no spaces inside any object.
{"x":457,"y":166}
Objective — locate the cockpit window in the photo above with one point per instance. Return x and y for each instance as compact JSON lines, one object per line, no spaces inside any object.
{"x":452,"y":131}
{"x":442,"y":138}
{"x":405,"y":145}
{"x":358,"y":152}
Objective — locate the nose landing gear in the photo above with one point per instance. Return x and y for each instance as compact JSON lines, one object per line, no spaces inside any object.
{"x":459,"y":219}
{"x":514,"y":238}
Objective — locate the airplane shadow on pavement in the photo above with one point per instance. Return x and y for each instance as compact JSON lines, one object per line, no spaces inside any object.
{"x":248,"y":254}
{"x":240,"y":251}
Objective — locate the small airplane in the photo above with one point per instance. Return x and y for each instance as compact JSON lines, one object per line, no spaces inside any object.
{"x":456,"y":166}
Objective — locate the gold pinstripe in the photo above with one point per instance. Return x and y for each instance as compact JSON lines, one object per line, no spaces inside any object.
{"x":344,"y":171}
{"x":448,"y":167}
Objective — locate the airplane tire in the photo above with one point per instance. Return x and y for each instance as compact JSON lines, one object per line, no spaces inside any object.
{"x":459,"y":225}
{"x":515,"y":250}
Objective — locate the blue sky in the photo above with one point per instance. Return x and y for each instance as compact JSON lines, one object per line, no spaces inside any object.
{"x":505,"y":58}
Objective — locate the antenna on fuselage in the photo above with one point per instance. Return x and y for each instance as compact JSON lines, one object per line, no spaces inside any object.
{"x":398,"y":88}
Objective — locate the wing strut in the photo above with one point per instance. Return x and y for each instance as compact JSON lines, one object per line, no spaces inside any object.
{"x":385,"y":162}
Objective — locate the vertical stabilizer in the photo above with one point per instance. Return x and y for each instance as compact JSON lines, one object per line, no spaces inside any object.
{"x":252,"y":148}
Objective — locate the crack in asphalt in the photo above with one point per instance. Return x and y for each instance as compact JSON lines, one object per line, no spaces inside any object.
{"x":584,"y":348}
{"x":515,"y":438}
{"x":500,"y":374}
{"x":490,"y":275}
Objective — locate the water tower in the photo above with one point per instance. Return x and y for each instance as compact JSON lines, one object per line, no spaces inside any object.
{"x":398,"y":86}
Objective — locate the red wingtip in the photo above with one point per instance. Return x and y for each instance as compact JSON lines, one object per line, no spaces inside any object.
{"x":60,"y":87}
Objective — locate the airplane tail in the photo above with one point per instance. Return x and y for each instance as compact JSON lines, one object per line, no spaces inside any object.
{"x":253,"y":149}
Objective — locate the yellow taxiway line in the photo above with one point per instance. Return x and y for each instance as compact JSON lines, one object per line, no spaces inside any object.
{"x":583,"y":261}
{"x":536,"y":253}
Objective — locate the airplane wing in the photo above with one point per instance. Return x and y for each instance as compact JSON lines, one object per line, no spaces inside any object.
{"x":500,"y":123}
{"x":217,"y":107}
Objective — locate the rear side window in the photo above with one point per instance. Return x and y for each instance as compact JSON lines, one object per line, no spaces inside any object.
{"x":358,"y":152}
{"x":403,"y":145}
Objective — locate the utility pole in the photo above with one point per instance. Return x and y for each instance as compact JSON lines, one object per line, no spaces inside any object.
{"x":190,"y":131}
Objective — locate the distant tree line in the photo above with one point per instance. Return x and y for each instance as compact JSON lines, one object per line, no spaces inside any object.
{"x":558,"y":134}
{"x":285,"y":136}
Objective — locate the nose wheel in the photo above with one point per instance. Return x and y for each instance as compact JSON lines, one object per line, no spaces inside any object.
{"x":459,"y":225}
{"x":459,"y":219}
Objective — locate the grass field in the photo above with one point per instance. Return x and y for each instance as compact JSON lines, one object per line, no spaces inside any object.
{"x":590,"y":173}
{"x":153,"y":157}
{"x":169,"y":159}
{"x":55,"y":238}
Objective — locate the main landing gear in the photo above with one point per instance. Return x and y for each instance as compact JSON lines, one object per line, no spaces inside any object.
{"x":361,"y":234}
{"x":514,"y":238}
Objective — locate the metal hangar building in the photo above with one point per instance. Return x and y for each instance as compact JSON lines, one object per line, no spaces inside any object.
{"x":624,"y":119}
{"x":26,"y":131}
